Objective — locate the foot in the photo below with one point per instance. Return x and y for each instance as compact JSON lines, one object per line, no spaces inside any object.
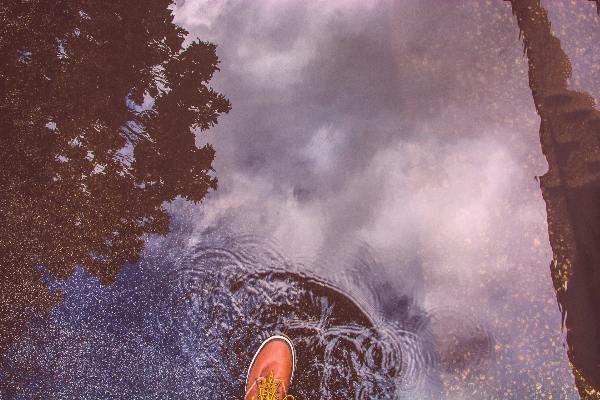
{"x":271,"y":370}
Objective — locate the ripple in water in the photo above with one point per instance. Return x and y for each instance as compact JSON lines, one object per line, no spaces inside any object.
{"x":227,"y":298}
{"x":185,"y":324}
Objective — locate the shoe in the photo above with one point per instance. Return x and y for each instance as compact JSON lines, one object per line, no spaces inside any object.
{"x":271,"y":370}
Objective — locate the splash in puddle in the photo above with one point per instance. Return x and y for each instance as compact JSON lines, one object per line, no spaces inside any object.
{"x":229,"y":299}
{"x":185,"y":324}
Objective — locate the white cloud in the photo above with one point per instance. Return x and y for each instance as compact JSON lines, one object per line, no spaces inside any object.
{"x":440,"y":186}
{"x":197,"y":15}
{"x":320,"y":151}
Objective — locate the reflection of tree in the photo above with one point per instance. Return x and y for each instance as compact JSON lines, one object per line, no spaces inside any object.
{"x":98,"y":102}
{"x":569,"y":130}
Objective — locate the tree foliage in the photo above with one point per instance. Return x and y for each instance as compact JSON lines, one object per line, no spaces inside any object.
{"x":99,"y":106}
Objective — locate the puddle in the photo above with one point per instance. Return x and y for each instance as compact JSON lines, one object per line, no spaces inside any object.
{"x":353,"y":125}
{"x":207,"y":316}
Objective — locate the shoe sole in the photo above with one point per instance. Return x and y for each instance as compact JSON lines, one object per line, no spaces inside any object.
{"x":281,"y":338}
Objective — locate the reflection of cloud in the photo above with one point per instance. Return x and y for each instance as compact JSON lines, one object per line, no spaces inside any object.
{"x":320,"y":151}
{"x":450,"y":195}
{"x":195,"y":13}
{"x":407,"y":126}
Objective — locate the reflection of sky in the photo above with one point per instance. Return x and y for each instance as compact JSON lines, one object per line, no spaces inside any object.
{"x":402,"y":133}
{"x":408,"y":127}
{"x":579,"y":40}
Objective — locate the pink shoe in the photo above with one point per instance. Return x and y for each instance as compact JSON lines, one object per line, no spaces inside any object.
{"x":271,"y":370}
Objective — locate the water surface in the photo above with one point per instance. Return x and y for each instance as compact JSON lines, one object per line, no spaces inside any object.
{"x":378,"y":202}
